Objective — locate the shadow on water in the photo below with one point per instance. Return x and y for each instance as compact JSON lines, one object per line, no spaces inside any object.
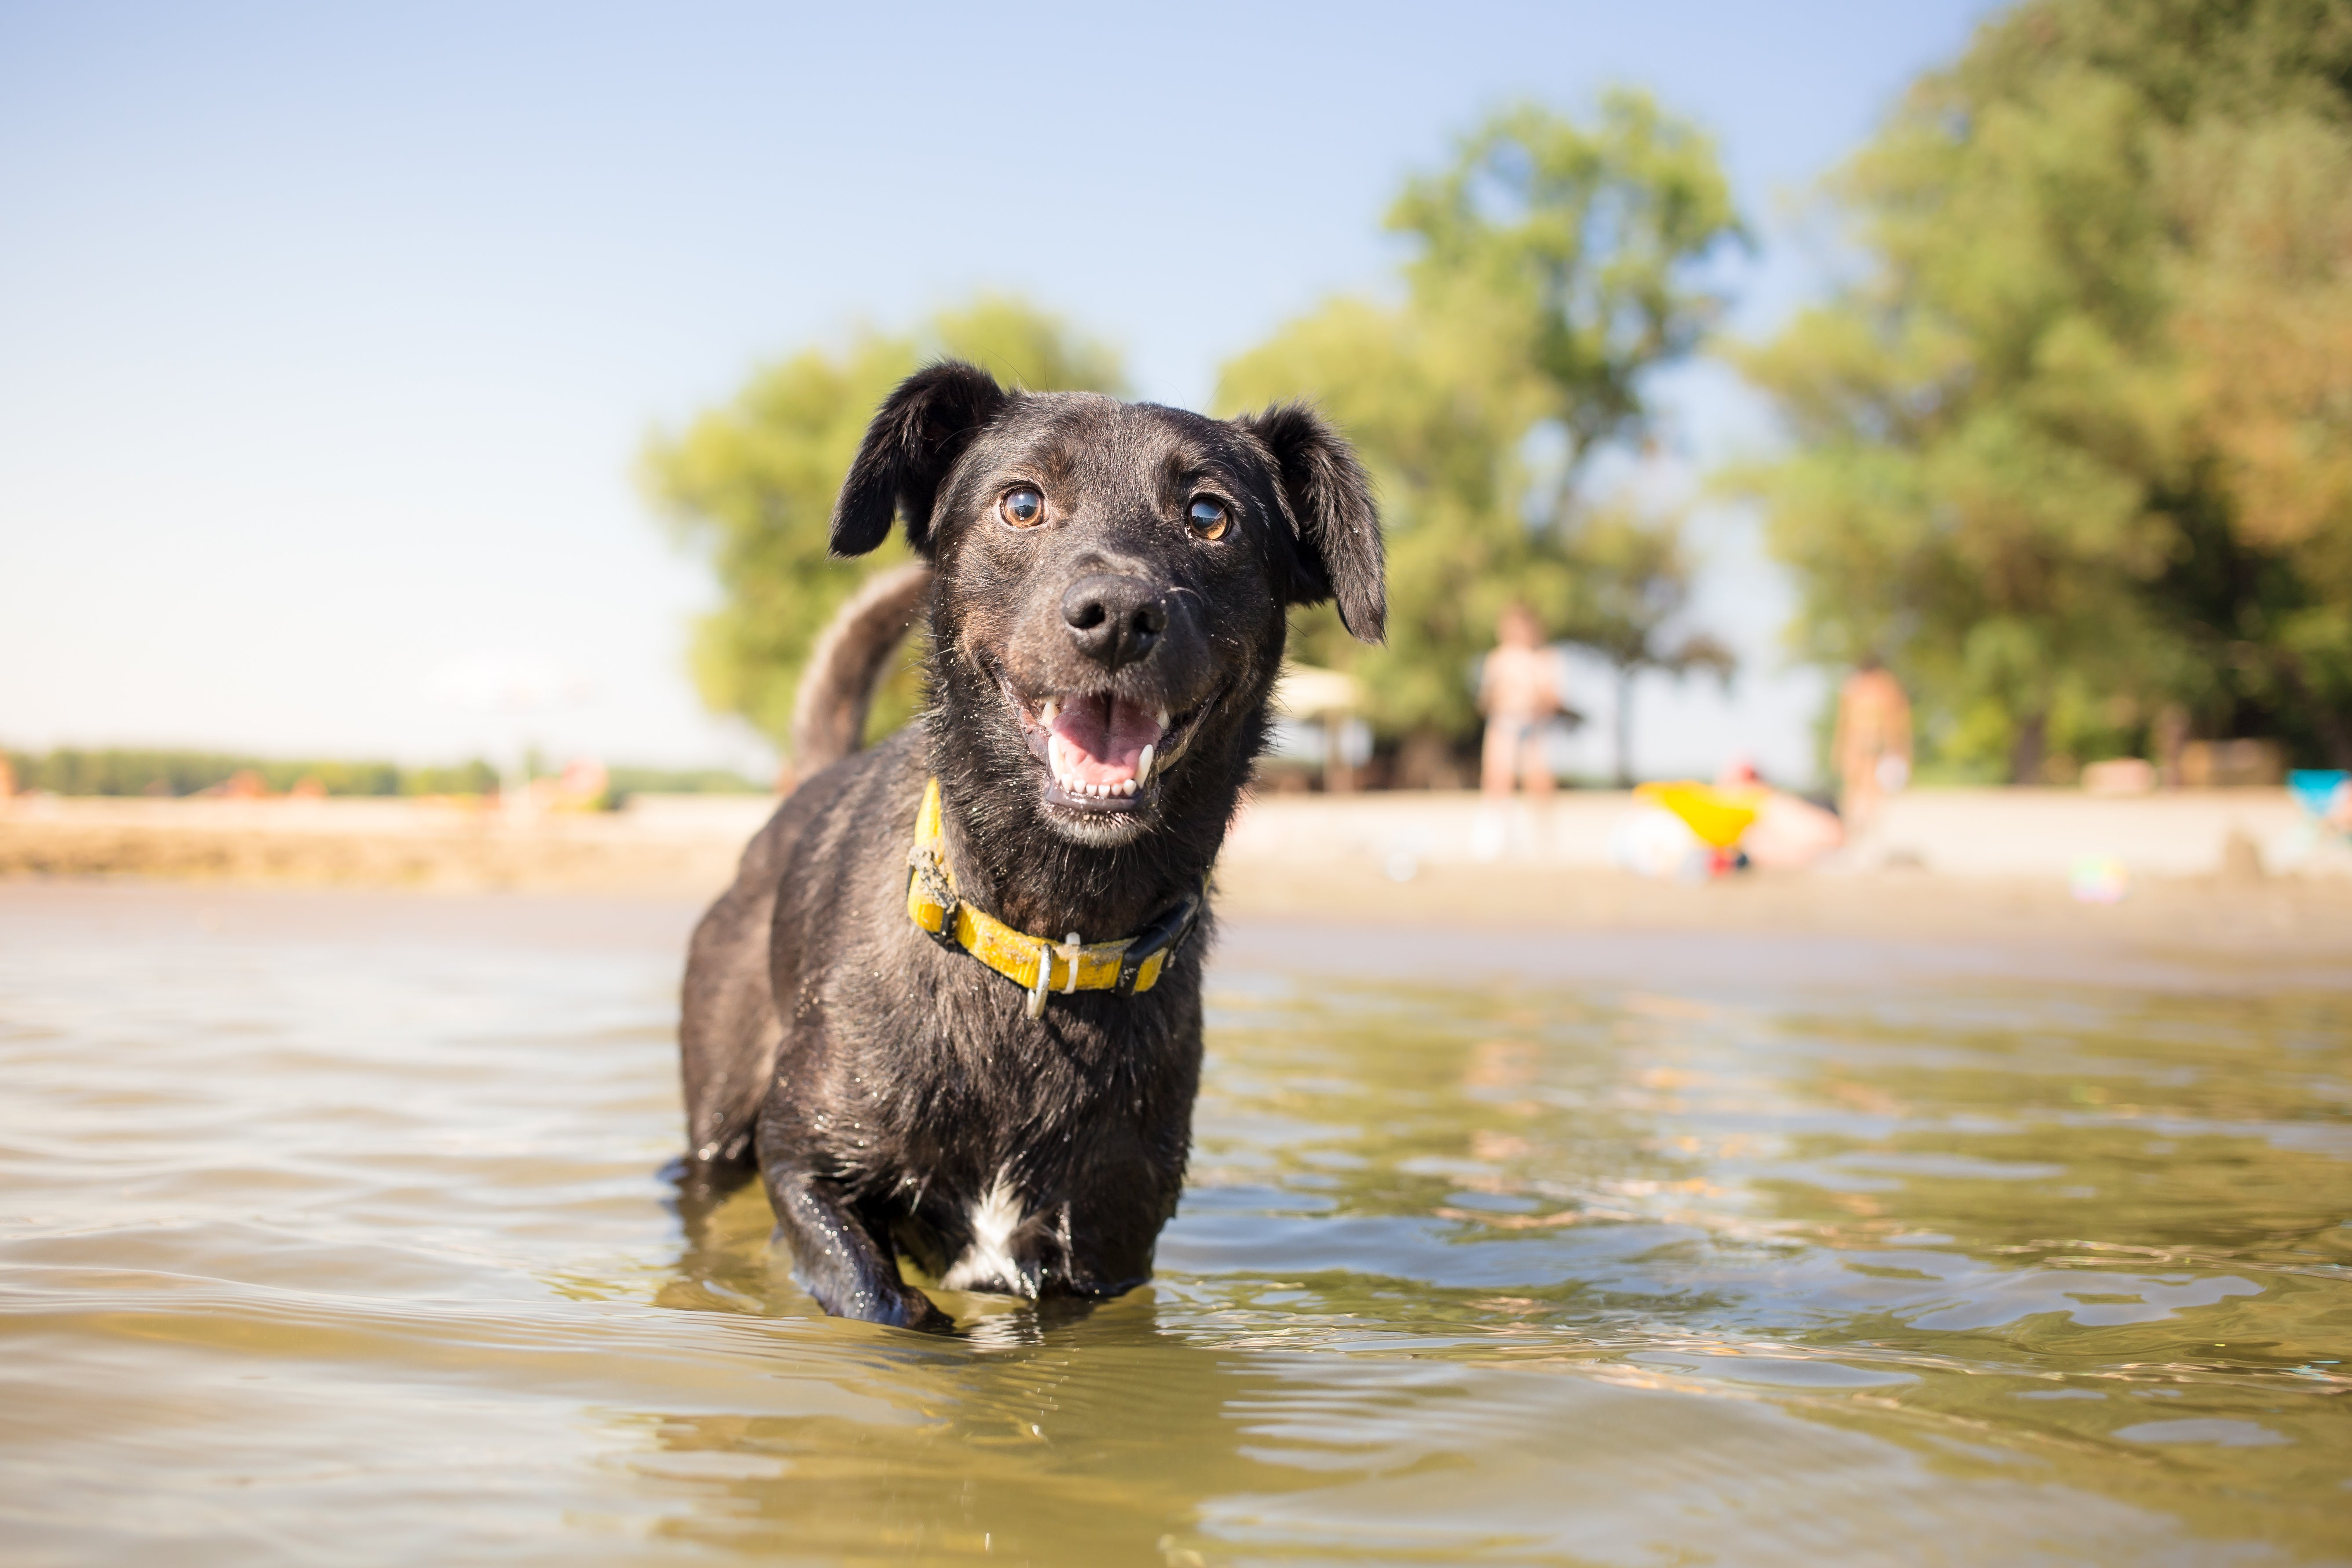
{"x":1081,"y":1432}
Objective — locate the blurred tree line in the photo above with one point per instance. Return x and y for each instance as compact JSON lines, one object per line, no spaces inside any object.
{"x":2071,"y":450}
{"x":70,"y":772}
{"x":621,"y":781}
{"x":2076,"y":447}
{"x":128,"y":772}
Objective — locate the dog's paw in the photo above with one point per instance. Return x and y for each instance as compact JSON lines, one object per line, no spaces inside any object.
{"x":917,"y":1311}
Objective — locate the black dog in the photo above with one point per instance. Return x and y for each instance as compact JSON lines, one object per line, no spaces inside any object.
{"x":971,"y":1032}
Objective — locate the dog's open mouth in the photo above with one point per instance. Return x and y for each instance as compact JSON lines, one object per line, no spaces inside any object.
{"x":1100,"y":749}
{"x":1100,"y":746}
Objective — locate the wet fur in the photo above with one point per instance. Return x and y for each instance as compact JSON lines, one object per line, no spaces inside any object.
{"x":893,"y":1094}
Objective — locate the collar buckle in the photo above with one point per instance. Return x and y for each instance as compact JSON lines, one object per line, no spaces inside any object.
{"x":1165,"y":935}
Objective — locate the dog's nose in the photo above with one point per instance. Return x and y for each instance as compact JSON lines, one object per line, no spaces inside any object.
{"x":1113,"y":619}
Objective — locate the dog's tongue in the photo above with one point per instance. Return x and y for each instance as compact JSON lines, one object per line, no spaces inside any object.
{"x":1099,"y":740}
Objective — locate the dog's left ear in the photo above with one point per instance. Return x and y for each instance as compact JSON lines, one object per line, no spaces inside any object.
{"x":1329,"y":499}
{"x":916,"y":437}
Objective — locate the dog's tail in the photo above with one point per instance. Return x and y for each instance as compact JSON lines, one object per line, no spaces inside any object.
{"x":838,"y":683}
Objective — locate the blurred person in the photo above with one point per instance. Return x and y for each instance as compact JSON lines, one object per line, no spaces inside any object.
{"x":1518,"y":691}
{"x":1871,"y":746}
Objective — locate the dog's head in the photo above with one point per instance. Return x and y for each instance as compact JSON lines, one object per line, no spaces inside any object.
{"x":1112,"y":580}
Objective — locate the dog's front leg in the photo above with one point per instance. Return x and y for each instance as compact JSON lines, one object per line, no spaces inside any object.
{"x":839,"y":1261}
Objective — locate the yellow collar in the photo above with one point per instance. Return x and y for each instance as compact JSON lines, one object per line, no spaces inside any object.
{"x":1032,"y":963}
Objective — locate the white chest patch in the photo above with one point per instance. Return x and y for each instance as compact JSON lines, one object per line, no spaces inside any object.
{"x":988,"y":1263}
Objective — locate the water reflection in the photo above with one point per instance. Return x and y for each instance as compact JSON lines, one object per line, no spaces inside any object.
{"x":2045,"y":1240}
{"x":315,"y":1237}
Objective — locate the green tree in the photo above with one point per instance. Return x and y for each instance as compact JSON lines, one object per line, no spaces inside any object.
{"x":753,"y":482}
{"x":1556,"y":266}
{"x":2072,"y":445}
{"x":1595,"y":242}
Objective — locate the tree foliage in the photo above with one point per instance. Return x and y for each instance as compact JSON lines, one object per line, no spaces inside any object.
{"x":1436,"y":412}
{"x":753,"y":483}
{"x":1556,"y":267}
{"x":2078,"y":442}
{"x":70,"y":770}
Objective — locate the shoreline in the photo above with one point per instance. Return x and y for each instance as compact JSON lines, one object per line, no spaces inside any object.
{"x":1612,"y":931}
{"x":1979,"y":870}
{"x":2292,"y":931}
{"x":691,"y":842}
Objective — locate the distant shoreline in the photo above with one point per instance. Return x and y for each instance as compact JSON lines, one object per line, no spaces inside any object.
{"x":1970,"y":867}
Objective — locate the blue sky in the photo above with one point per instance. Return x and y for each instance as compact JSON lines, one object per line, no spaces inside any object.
{"x":328,"y":335}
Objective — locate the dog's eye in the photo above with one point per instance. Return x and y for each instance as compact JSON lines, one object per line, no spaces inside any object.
{"x":1209,"y":517}
{"x":1022,"y":507}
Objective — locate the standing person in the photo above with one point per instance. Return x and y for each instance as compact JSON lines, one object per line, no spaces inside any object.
{"x":1871,"y":747}
{"x":1518,"y":691}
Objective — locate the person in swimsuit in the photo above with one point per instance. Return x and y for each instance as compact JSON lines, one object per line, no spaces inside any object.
{"x":1871,"y":747}
{"x":1519,"y":692}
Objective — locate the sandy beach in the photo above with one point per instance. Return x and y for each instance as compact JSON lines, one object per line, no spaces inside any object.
{"x":2225,"y":880}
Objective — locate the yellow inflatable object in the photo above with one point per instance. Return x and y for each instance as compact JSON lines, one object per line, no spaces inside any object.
{"x":1717,"y":816}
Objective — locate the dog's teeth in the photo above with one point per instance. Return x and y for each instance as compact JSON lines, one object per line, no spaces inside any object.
{"x":1162,"y":716}
{"x":1127,"y":788}
{"x":1143,"y":765}
{"x":1053,"y":706}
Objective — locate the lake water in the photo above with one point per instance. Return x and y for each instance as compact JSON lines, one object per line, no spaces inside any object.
{"x":331,"y":1231}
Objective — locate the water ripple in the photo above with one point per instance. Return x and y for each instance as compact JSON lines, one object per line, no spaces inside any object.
{"x":330,"y":1227}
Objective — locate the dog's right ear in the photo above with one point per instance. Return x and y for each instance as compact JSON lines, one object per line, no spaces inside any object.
{"x":916,"y":437}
